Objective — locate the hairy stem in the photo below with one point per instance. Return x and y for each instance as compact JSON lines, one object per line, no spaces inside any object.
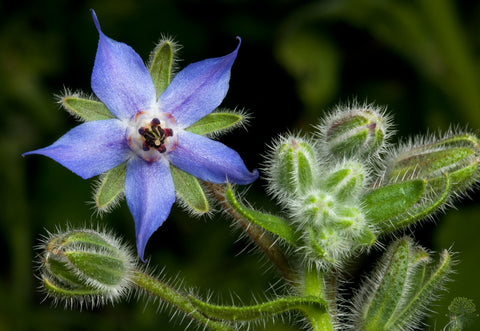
{"x":314,"y":284}
{"x":256,"y":233}
{"x":167,"y":294}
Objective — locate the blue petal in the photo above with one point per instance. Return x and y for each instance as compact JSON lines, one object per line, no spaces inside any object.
{"x":150,"y":195}
{"x":198,"y":89}
{"x":120,"y":78}
{"x":210,"y":160}
{"x":90,"y":148}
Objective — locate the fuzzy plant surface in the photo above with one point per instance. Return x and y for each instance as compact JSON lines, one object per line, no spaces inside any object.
{"x":341,"y":192}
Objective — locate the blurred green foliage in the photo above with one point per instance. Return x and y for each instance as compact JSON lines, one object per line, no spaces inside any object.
{"x":298,"y":58}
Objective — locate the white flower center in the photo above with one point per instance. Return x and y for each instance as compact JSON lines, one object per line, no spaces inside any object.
{"x":150,"y":137}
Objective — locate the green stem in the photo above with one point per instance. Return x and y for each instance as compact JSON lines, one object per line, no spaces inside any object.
{"x":258,"y":311}
{"x":314,"y":284}
{"x":166,"y":293}
{"x":257,"y":234}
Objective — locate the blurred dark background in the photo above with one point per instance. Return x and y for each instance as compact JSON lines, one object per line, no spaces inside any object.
{"x":298,"y":59}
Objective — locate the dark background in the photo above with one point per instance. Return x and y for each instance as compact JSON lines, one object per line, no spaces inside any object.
{"x":298,"y":59}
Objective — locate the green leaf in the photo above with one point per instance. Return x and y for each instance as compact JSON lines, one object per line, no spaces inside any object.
{"x":161,"y":65}
{"x":111,"y":187}
{"x":272,"y":223}
{"x":86,"y":109}
{"x":260,"y":311}
{"x":215,"y":122}
{"x":393,"y":200}
{"x":190,"y":190}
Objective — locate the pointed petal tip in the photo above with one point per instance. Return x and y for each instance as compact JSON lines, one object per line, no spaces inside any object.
{"x":141,"y":248}
{"x":239,"y":42}
{"x":95,"y":21}
{"x":247,"y":178}
{"x":150,"y":194}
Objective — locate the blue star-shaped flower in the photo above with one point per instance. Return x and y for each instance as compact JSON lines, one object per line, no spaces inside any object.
{"x":149,"y":133}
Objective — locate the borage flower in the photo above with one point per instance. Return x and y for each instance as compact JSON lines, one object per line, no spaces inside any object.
{"x":148,"y":133}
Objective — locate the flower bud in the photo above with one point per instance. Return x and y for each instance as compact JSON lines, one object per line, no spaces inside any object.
{"x":333,"y":229}
{"x":401,"y":289}
{"x":357,"y":131}
{"x":346,"y":181}
{"x":85,"y":266}
{"x":456,"y":155}
{"x":293,"y":166}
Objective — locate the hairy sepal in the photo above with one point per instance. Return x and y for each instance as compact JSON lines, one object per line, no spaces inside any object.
{"x":396,"y":296}
{"x":84,"y":108}
{"x":188,"y":188}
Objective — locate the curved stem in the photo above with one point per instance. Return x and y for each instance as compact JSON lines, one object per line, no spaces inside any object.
{"x":258,"y":311}
{"x":256,"y":233}
{"x":314,"y":284}
{"x":166,"y":293}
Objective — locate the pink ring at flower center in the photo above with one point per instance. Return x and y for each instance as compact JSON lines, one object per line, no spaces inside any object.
{"x":155,"y":136}
{"x":150,"y":137}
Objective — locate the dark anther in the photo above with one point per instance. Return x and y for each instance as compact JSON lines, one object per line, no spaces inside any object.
{"x":149,"y":135}
{"x":168,"y":132}
{"x":159,"y":132}
{"x":162,"y":148}
{"x":155,"y":136}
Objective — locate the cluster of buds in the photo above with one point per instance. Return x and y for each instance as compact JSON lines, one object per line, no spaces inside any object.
{"x":345,"y":187}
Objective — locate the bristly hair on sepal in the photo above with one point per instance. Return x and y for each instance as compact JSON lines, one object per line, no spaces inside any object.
{"x":455,"y":152}
{"x":84,"y":268}
{"x":355,"y":130}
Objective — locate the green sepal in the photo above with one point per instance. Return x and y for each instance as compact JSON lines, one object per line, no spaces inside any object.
{"x":160,"y":67}
{"x":59,"y":273}
{"x":420,"y":210}
{"x":401,"y":288}
{"x":457,"y":156}
{"x":215,"y":122}
{"x":424,"y":164}
{"x":417,"y":306}
{"x":346,"y":182}
{"x":111,"y":187}
{"x":315,"y":238}
{"x":269,"y":222}
{"x":86,"y":109}
{"x":107,"y":269}
{"x":389,"y":287}
{"x":188,"y":188}
{"x":293,"y":166}
{"x":366,"y":238}
{"x":260,"y":311}
{"x":69,"y":293}
{"x":389,"y":201}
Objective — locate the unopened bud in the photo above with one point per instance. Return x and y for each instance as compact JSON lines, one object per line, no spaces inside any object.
{"x":293,"y":166}
{"x":346,"y":181}
{"x":85,"y":266}
{"x":357,"y":131}
{"x":456,"y":155}
{"x":401,"y":288}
